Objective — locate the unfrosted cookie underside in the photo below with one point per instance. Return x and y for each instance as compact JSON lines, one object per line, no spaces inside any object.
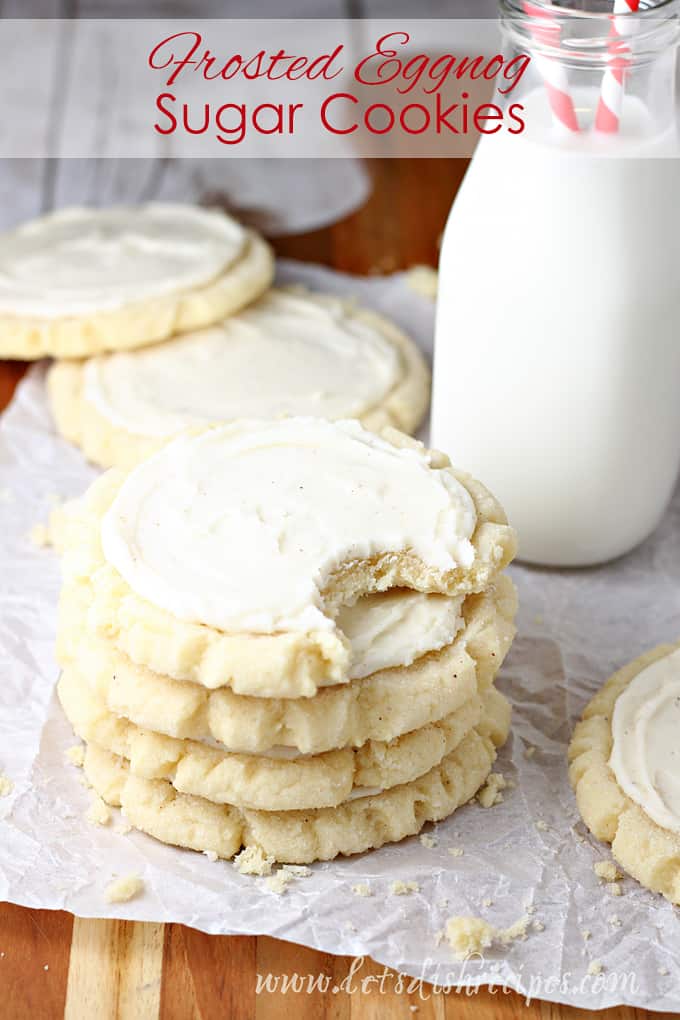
{"x":297,"y":837}
{"x":269,"y":784}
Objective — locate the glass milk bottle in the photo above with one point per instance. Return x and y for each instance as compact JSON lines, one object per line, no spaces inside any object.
{"x":557,"y":353}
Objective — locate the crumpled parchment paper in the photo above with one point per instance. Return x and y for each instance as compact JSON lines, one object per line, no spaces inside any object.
{"x":575,"y":628}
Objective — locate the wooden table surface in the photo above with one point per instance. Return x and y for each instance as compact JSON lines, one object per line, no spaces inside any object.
{"x":54,"y":965}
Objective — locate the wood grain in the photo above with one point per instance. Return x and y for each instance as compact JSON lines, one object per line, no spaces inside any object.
{"x":113,"y":969}
{"x":319,"y":974}
{"x":399,"y":226}
{"x":207,"y":975}
{"x":34,"y":960}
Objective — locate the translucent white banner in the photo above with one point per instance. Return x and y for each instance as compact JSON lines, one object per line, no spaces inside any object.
{"x":268,"y":88}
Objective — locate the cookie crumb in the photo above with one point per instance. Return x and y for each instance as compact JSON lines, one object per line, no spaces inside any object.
{"x":253,"y":861}
{"x":362,"y":889}
{"x":615,"y":921}
{"x":98,"y":812}
{"x":542,"y":825}
{"x":211,"y":855}
{"x":529,"y":752}
{"x":470,"y":935}
{"x":456,"y":851}
{"x":400,"y":888}
{"x":595,"y":967}
{"x":6,"y":785}
{"x":279,"y":882}
{"x":428,"y":841}
{"x":614,"y":889}
{"x":487,"y":902}
{"x":123,"y":829}
{"x":423,"y":280}
{"x":490,"y":794}
{"x":76,"y":755}
{"x":297,"y":870}
{"x":538,"y":925}
{"x":607,"y":871}
{"x":586,"y":934}
{"x":121,"y":890}
{"x":39,"y":536}
{"x":518,"y":930}
{"x":662,"y":971}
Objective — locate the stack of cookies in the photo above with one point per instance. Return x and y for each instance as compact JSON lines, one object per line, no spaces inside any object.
{"x":278,"y":633}
{"x":283,"y":636}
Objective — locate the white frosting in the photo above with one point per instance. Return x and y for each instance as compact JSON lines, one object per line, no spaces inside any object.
{"x":395,"y":628}
{"x":240,"y":527}
{"x":82,"y":261}
{"x":287,"y":354}
{"x":278,"y":752}
{"x":359,"y":792}
{"x":645,"y":754}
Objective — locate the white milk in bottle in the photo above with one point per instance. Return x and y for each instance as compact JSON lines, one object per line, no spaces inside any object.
{"x":557,"y":354}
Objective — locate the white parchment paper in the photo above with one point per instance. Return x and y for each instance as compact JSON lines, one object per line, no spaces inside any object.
{"x":575,"y":628}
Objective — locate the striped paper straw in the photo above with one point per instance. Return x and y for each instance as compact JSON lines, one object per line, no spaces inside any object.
{"x":546,"y":31}
{"x":608,"y":116}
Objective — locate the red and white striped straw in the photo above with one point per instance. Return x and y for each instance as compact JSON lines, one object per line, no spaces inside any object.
{"x":608,"y":116}
{"x":546,"y":31}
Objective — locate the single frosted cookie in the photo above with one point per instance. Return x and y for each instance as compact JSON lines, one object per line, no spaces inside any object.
{"x":81,"y":281}
{"x":274,"y":782}
{"x":385,"y":630}
{"x":382,"y":706}
{"x":290,"y":353}
{"x":299,"y":837}
{"x":625,"y":768}
{"x":226,"y":558}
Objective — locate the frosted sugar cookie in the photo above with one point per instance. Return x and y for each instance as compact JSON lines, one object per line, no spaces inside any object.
{"x":277,"y":781}
{"x":300,"y":837}
{"x":290,"y":353}
{"x":226,"y":558}
{"x":80,"y":281}
{"x":379,"y":707}
{"x":625,"y":768}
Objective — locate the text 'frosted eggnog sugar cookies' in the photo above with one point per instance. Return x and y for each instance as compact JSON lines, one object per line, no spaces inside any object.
{"x":284,"y":635}
{"x":290,"y":353}
{"x":625,"y":768}
{"x":81,"y":281}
